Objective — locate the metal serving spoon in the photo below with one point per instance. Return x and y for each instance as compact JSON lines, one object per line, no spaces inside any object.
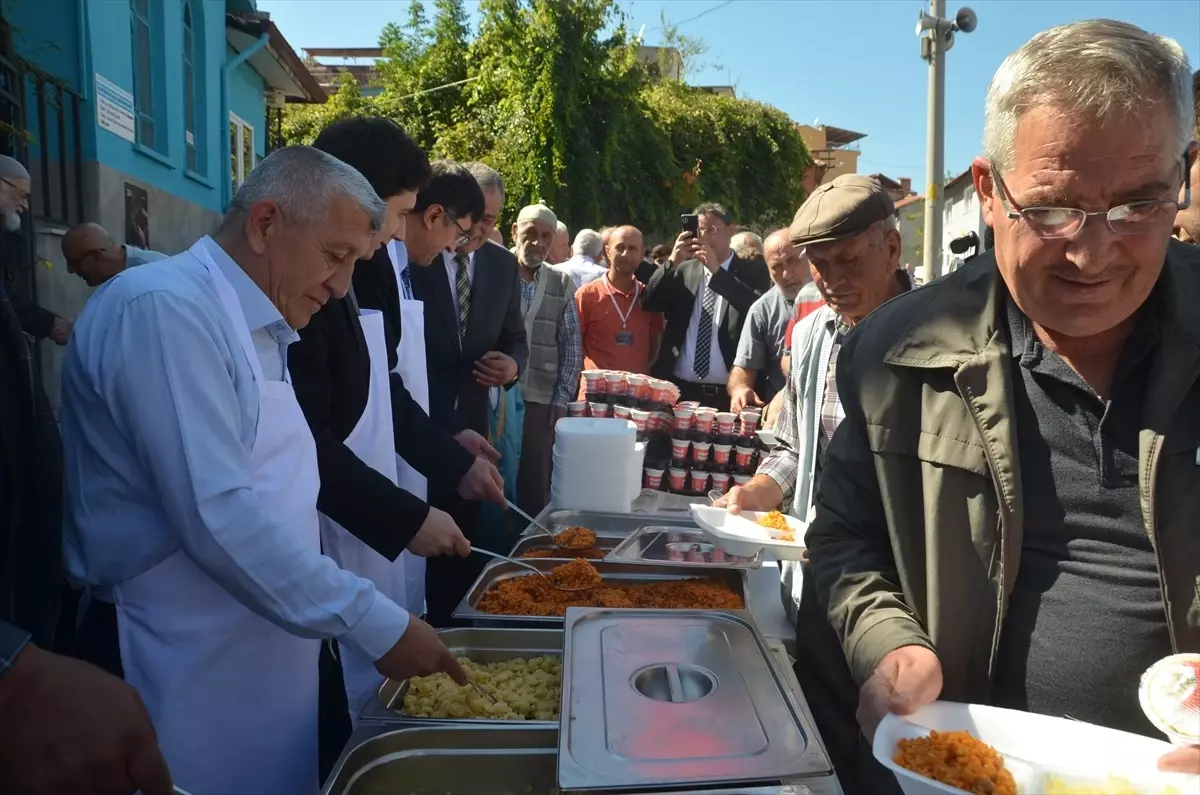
{"x":534,"y":569}
{"x":553,"y":536}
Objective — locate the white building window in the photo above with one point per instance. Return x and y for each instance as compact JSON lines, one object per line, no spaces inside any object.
{"x":189,"y":90}
{"x":241,"y":151}
{"x":143,"y":71}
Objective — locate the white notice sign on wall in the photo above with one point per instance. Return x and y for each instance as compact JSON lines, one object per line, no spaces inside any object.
{"x":114,"y":109}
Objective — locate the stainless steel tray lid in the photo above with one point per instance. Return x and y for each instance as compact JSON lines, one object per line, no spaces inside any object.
{"x":653,"y":698}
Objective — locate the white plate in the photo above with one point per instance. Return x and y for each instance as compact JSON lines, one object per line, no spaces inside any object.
{"x":1034,"y":747}
{"x":742,"y":535}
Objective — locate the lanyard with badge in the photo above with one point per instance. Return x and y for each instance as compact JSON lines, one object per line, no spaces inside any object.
{"x":624,"y":336}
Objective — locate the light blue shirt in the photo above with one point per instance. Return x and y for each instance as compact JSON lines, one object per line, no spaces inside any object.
{"x":140,"y":256}
{"x":159,"y":416}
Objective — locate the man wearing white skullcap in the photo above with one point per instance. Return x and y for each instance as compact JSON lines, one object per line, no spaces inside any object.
{"x":14,"y":193}
{"x":551,"y":378}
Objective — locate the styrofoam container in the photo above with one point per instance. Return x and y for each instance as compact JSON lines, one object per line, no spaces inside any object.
{"x":1035,"y":748}
{"x":742,"y":535}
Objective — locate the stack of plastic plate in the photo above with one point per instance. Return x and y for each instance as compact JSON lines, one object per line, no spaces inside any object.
{"x":597,"y":465}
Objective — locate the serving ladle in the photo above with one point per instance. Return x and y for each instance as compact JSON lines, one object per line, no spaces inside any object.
{"x":534,"y":569}
{"x":539,"y":526}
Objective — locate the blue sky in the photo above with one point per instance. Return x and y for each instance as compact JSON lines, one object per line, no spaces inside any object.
{"x":848,"y":63}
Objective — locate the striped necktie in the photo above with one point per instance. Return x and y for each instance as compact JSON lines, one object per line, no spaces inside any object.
{"x":462,"y":286}
{"x":406,"y":285}
{"x":704,"y":331}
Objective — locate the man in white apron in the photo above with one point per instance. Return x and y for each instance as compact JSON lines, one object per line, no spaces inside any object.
{"x":192,"y":483}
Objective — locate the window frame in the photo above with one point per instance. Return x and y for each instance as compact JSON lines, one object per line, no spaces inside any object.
{"x":191,"y":127}
{"x":143,"y":85}
{"x":238,"y":127}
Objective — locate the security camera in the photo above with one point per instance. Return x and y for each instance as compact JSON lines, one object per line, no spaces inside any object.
{"x":965,"y":20}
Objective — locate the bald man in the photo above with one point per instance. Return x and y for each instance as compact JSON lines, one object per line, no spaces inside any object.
{"x":14,"y":193}
{"x":560,"y":247}
{"x":95,"y":257}
{"x":757,"y":375}
{"x":618,"y":333}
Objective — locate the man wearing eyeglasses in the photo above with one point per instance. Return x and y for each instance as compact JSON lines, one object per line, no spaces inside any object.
{"x":1007,"y":513}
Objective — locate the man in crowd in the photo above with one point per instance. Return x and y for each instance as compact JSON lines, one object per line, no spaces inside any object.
{"x":587,"y":252}
{"x":618,"y":333}
{"x":555,"y":352}
{"x":747,"y":245}
{"x":474,"y":344}
{"x":560,"y":249}
{"x":193,"y":483}
{"x":1187,"y":220}
{"x":1013,"y":493}
{"x":95,"y":257}
{"x":757,"y":375}
{"x":705,"y":292}
{"x":848,"y":230}
{"x":15,"y":185}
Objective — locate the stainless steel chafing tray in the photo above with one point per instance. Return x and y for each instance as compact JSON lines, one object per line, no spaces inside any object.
{"x":511,"y":760}
{"x":660,"y":698}
{"x":609,"y":570}
{"x":678,"y":546}
{"x":608,"y":524}
{"x":604,"y":542}
{"x":480,"y":645}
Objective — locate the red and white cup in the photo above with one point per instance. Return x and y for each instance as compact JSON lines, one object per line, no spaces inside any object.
{"x":744,"y":455}
{"x":641,"y":418}
{"x":683,"y":417}
{"x":700,"y":451}
{"x":660,"y":391}
{"x":699,"y":480}
{"x":637,"y":385}
{"x":741,"y":480}
{"x":654,"y":478}
{"x":725,"y":422}
{"x":704,"y":420}
{"x":720,"y":481}
{"x":616,"y":383}
{"x":599,"y":410}
{"x":677,"y":478}
{"x":688,"y":404}
{"x":621,"y":412}
{"x":594,"y":381}
{"x":720,"y":453}
{"x":750,"y":422}
{"x":578,"y":408}
{"x":679,"y":448}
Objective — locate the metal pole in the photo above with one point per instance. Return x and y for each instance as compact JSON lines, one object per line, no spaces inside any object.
{"x":935,"y":132}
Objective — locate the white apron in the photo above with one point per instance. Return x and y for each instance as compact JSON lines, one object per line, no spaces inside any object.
{"x":410,"y":366}
{"x":372,"y":441}
{"x":232,"y":696}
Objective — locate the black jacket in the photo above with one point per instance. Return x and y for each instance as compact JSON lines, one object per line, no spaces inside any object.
{"x":672,"y":291}
{"x":31,"y":492}
{"x":495,"y":324}
{"x":331,"y":371}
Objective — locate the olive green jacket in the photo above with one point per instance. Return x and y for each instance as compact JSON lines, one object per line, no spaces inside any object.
{"x":920,"y":516}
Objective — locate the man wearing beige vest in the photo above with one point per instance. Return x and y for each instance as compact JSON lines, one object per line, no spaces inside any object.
{"x":551,"y":376}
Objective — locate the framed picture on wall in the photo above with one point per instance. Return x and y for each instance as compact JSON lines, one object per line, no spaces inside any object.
{"x":137,"y":216}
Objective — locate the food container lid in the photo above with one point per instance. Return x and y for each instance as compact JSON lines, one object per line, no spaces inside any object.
{"x":1170,"y":696}
{"x":674,"y":545}
{"x":656,"y":698}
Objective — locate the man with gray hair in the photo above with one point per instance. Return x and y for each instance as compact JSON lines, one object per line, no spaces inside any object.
{"x":747,"y":245}
{"x":584,"y":265}
{"x":1007,"y":513}
{"x":192,"y":489}
{"x":560,"y":249}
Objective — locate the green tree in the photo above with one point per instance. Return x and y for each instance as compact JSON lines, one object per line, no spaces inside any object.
{"x":303,"y":123}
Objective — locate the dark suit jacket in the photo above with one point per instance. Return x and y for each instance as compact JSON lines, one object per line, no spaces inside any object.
{"x":331,"y":371}
{"x":494,"y":324}
{"x":672,"y":291}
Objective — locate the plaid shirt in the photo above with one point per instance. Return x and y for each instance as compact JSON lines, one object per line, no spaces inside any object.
{"x":570,"y":343}
{"x":782,"y":464}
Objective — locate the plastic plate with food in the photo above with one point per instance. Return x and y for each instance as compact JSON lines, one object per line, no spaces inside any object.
{"x":947,"y":748}
{"x":748,"y":532}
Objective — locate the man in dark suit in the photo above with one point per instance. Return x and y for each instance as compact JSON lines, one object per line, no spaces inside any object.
{"x":705,"y":292}
{"x":474,"y":342}
{"x":491,"y":352}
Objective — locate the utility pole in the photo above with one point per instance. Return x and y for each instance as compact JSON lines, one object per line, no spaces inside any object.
{"x":937,"y":37}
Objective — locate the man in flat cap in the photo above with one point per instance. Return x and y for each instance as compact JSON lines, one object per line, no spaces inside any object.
{"x":848,"y":229}
{"x":551,"y":377}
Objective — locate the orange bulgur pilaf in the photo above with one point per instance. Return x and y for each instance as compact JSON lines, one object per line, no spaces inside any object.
{"x":591,"y":553}
{"x":575,"y":538}
{"x":958,"y":760}
{"x":532,"y":596}
{"x":776,"y":521}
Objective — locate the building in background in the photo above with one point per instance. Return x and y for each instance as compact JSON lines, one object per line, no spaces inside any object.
{"x":910,"y":221}
{"x":897,"y":189}
{"x":960,"y":216}
{"x":141,"y":115}
{"x":834,"y":152}
{"x":350,"y":63}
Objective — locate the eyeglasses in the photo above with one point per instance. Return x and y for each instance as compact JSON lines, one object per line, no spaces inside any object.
{"x":1055,"y":223}
{"x":464,"y":235}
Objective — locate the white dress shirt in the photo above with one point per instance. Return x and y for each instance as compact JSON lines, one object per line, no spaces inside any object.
{"x":685,"y":368}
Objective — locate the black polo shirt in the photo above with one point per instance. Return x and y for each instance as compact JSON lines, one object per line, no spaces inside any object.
{"x":1086,"y":615}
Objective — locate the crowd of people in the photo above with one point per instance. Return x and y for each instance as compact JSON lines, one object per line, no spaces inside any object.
{"x":280,"y":446}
